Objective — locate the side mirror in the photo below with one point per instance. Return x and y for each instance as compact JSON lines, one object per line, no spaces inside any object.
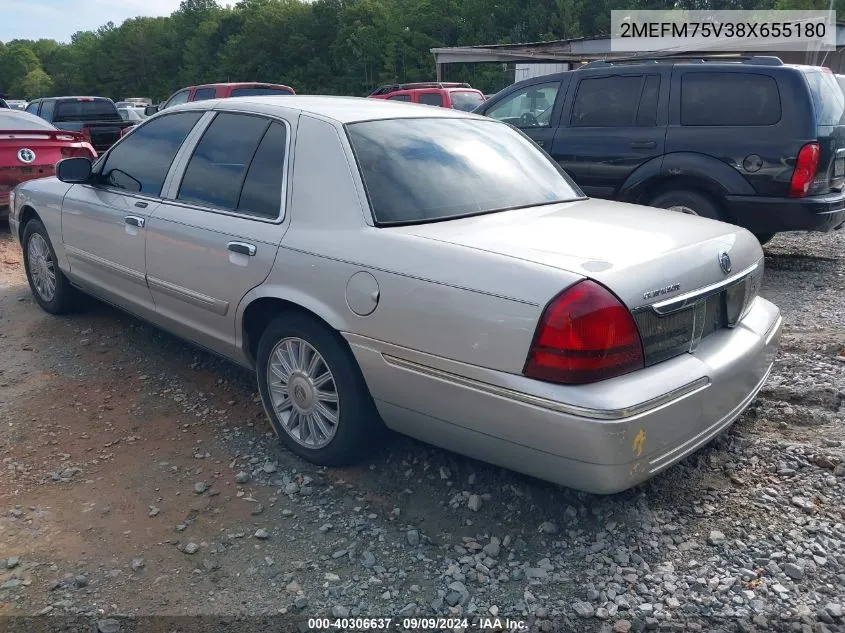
{"x":74,"y":170}
{"x":151,"y":110}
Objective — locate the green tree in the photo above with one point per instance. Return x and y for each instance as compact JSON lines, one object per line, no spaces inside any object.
{"x":36,"y":83}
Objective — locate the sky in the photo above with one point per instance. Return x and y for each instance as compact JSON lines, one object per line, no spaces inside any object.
{"x":59,"y":19}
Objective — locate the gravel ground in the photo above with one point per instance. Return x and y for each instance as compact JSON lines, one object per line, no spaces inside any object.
{"x":141,"y":478}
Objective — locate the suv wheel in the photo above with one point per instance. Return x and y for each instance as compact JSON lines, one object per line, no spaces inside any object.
{"x":314,"y":393}
{"x":689,"y":202}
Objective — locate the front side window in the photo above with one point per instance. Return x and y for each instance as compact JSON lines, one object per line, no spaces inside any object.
{"x":431,"y":98}
{"x":141,"y":162}
{"x":422,"y":170}
{"x":202,"y":94}
{"x":528,"y":107}
{"x":607,"y":101}
{"x":32,"y":108}
{"x":399,"y":98}
{"x":215,"y":174}
{"x":729,"y":99}
{"x":177,"y":99}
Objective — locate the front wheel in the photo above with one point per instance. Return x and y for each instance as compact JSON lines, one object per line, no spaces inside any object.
{"x":314,"y":393}
{"x":49,"y":286}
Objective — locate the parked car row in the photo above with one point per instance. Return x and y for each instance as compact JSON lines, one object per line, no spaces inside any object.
{"x":426,"y":269}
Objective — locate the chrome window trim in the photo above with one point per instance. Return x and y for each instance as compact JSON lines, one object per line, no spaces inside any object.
{"x":552,"y":405}
{"x":685,"y":300}
{"x":174,"y":179}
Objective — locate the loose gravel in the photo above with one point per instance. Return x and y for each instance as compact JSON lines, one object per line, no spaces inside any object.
{"x":176,"y":498}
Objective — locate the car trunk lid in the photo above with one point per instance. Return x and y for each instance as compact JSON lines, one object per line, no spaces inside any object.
{"x":644,"y":255}
{"x":29,"y":154}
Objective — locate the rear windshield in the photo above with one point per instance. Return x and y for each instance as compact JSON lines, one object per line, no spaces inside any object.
{"x":254,"y":92}
{"x":422,"y":170}
{"x":828,"y":100}
{"x":18,"y":121}
{"x":466,"y":100}
{"x":99,"y":110}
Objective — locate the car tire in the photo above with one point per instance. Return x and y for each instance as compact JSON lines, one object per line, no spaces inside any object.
{"x":49,"y":286}
{"x":763,"y":238}
{"x":293,"y":383}
{"x":688,"y":201}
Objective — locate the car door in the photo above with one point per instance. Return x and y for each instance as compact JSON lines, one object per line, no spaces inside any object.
{"x":216,"y":236}
{"x":104,"y":224}
{"x":611,"y":125}
{"x":533,"y":108}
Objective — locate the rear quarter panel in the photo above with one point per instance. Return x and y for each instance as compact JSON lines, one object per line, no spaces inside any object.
{"x":45,"y":196}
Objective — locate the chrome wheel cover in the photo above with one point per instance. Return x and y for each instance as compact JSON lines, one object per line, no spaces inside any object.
{"x":303,"y":393}
{"x":42,"y":268}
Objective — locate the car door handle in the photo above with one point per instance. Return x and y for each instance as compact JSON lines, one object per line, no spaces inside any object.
{"x":134,"y":220}
{"x":242,"y":248}
{"x":141,"y":205}
{"x":643,"y":144}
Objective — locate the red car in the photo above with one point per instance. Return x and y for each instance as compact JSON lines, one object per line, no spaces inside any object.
{"x":30,"y":148}
{"x":220,"y":91}
{"x":446,"y":95}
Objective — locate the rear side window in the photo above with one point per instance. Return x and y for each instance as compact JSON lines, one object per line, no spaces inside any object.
{"x":47,"y":110}
{"x":204,"y":93}
{"x":215,"y":174}
{"x":400,"y":98}
{"x":141,"y":162}
{"x":729,"y":99}
{"x":256,"y":92}
{"x":828,"y":99}
{"x":262,"y":191}
{"x":431,"y":98}
{"x":607,"y":101}
{"x":94,"y":110}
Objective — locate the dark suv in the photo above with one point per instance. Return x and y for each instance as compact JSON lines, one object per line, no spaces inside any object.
{"x":754,"y":142}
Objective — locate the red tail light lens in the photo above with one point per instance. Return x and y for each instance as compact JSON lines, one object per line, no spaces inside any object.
{"x":805,"y":170}
{"x":78,"y":152}
{"x":585,"y":335}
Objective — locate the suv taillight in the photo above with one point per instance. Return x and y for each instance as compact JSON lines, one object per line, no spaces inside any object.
{"x":805,"y":170}
{"x":585,"y":335}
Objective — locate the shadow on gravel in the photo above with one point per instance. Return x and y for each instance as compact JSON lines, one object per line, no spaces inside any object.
{"x":800,"y":263}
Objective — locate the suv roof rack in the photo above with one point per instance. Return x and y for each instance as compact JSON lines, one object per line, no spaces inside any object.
{"x":383,"y":90}
{"x":756,"y":60}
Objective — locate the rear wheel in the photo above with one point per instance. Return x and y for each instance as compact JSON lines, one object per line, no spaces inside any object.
{"x":764,"y":237}
{"x":314,"y":392}
{"x":689,"y":202}
{"x":49,"y":286}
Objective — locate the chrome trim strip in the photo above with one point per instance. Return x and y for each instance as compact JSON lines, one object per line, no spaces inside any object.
{"x":128,"y":273}
{"x":684,"y":300}
{"x":218,"y":306}
{"x":545,"y":403}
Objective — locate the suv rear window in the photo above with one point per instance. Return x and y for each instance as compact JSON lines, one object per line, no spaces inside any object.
{"x":466,"y":100}
{"x":828,"y":100}
{"x":254,"y":92}
{"x":423,"y":170}
{"x":729,"y":99}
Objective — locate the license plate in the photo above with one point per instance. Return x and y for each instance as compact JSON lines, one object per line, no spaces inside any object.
{"x":839,"y":167}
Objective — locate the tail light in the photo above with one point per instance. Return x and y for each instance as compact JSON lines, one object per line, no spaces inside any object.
{"x":585,"y":335}
{"x":77,"y":152}
{"x":805,"y":170}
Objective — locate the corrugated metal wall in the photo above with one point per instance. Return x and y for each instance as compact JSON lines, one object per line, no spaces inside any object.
{"x":526,"y":71}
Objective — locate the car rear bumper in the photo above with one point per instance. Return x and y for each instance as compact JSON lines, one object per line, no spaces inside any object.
{"x":773,"y":215}
{"x":633,"y":427}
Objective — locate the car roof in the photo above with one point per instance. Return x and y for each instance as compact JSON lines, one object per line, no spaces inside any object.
{"x":339,"y":109}
{"x":87,"y":98}
{"x":21,"y":115}
{"x":239,"y":84}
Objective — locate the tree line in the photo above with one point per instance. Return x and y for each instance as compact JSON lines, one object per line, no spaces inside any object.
{"x":323,"y":47}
